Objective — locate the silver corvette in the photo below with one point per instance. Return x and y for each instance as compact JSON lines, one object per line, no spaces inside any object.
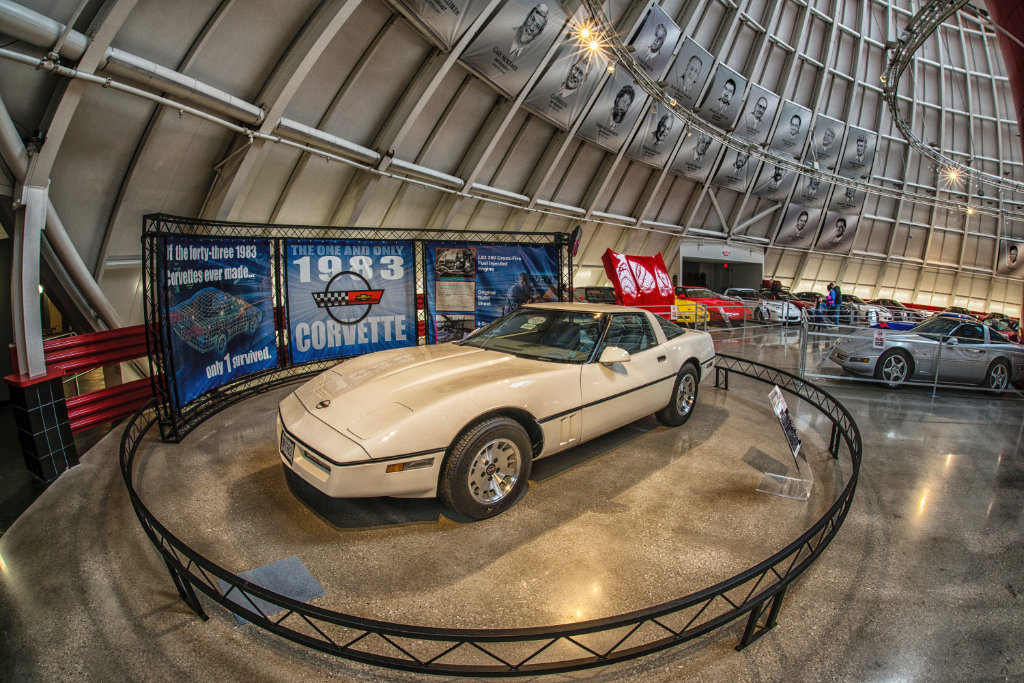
{"x":463,"y":421}
{"x":967,"y":353}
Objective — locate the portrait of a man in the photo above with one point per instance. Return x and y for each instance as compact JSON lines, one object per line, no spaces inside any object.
{"x":838,"y":234}
{"x":691,"y":84}
{"x":798,"y":226}
{"x":725,"y":99}
{"x":531,"y":28}
{"x":689,"y":73}
{"x":791,"y":132}
{"x":662,"y":129}
{"x":620,"y":106}
{"x":859,"y":152}
{"x":755,"y":118}
{"x":648,"y":56}
{"x":1011,"y":260}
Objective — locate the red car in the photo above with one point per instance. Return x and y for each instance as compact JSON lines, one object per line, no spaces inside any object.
{"x":1002,"y":325}
{"x":720,"y":308}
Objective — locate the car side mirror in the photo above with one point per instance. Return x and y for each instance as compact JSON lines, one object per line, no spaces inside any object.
{"x":952,"y":341}
{"x":612,"y":355}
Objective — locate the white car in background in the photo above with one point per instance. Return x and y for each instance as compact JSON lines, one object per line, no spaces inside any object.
{"x":870,"y":314}
{"x":463,"y":421}
{"x":766,"y":310}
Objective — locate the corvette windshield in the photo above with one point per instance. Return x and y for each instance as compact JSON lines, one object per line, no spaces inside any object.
{"x":939,"y":326}
{"x":699,"y":293}
{"x":552,"y":335}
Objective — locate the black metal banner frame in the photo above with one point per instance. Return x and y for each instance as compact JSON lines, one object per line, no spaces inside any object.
{"x":174,"y":423}
{"x":756,"y":593}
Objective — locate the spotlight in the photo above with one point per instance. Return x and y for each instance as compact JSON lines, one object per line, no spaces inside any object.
{"x":611,"y":68}
{"x":585,"y":33}
{"x":672,"y":101}
{"x":970,"y":210}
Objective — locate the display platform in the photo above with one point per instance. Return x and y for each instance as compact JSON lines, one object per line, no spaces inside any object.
{"x":630,"y":520}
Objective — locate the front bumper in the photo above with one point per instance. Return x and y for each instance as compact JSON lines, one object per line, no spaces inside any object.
{"x":855,"y":362}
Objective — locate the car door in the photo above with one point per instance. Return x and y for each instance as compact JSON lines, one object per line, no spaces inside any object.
{"x":617,"y":394}
{"x":967,"y":360}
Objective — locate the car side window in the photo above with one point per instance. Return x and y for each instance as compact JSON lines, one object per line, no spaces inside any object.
{"x":970,"y":334}
{"x":670,"y":329}
{"x":630,"y":332}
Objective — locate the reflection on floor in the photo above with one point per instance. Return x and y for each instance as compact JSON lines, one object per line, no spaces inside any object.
{"x":923,"y":581}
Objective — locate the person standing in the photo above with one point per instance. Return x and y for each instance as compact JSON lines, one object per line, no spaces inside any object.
{"x":829,"y":301}
{"x":837,"y":296}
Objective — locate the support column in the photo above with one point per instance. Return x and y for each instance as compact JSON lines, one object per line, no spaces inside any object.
{"x":30,"y":219}
{"x":1009,"y":16}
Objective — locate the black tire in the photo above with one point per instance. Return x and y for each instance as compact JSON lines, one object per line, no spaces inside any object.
{"x":997,"y":378}
{"x":758,"y":315}
{"x":684,"y":397}
{"x":894,"y":368}
{"x":486,"y":469}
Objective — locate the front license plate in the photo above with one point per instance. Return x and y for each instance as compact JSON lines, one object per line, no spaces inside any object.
{"x":287,"y":447}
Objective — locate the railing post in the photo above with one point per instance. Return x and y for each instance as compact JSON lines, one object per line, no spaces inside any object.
{"x":721,"y":378}
{"x":185,"y":590}
{"x":803,"y":347}
{"x":753,"y":630}
{"x":938,"y":358}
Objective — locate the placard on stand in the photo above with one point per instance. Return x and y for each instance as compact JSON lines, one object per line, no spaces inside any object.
{"x":796,"y":488}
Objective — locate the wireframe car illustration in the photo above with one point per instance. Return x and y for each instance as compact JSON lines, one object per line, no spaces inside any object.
{"x":210,"y":318}
{"x":766,"y":310}
{"x":464,"y":421}
{"x":964,"y":351}
{"x":720,"y":309}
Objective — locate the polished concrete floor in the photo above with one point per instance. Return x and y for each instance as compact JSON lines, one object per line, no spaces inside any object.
{"x":923,"y":582}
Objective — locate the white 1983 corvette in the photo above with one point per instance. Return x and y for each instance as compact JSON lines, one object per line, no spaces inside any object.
{"x":464,"y":421}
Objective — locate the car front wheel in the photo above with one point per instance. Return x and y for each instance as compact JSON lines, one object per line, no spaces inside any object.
{"x":487,"y":468}
{"x":684,"y":398}
{"x":894,"y":368}
{"x":998,"y":376}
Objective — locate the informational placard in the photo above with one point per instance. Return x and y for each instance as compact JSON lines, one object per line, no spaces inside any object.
{"x":798,"y":487}
{"x":798,"y":226}
{"x":512,"y":44}
{"x":620,"y":103}
{"x":689,"y":73}
{"x":349,"y":297}
{"x":219,"y":311}
{"x":470,"y":285}
{"x":826,"y":143}
{"x":781,"y":411}
{"x":655,"y":42}
{"x":758,"y":114}
{"x":879,"y":341}
{"x":1011,"y":256}
{"x":696,"y":156}
{"x":774,"y":182}
{"x":791,"y":131}
{"x":859,"y":153}
{"x":724,"y":98}
{"x":837,"y":234}
{"x":446,"y":19}
{"x":657,"y":136}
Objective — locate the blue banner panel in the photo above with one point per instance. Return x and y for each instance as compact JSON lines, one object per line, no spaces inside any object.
{"x":470,"y":285}
{"x":218,"y":310}
{"x":349,"y":297}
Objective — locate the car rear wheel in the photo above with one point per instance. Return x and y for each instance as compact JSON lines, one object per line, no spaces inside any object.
{"x":894,"y":368}
{"x":487,"y":468}
{"x":684,"y":397}
{"x":998,"y":376}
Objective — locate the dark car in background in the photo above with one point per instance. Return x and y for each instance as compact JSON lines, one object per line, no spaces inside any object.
{"x":901,"y":312}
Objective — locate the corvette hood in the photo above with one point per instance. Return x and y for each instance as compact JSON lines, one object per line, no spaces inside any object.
{"x":367,"y":394}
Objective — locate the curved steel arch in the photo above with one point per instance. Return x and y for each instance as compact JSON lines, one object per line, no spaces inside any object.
{"x":755,"y":593}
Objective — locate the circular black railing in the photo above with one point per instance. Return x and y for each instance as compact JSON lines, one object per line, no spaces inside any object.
{"x":755,"y":593}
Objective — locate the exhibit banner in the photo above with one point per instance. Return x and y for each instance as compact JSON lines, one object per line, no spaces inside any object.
{"x":446,"y":19}
{"x":774,"y":182}
{"x":735,"y":172}
{"x":837,"y":234}
{"x":1011,"y":256}
{"x":657,"y":136}
{"x":859,"y":152}
{"x":689,"y":73}
{"x":798,"y":226}
{"x":791,"y":132}
{"x":617,"y":108}
{"x":348,"y":297}
{"x":218,"y":307}
{"x":811,"y":191}
{"x":724,"y":98}
{"x":655,"y":42}
{"x":758,"y":114}
{"x":472,"y":284}
{"x":696,"y":156}
{"x":561,"y":94}
{"x":826,"y":143}
{"x":512,"y":44}
{"x":847,"y":199}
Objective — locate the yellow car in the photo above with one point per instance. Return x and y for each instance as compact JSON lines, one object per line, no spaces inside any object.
{"x":691,"y":313}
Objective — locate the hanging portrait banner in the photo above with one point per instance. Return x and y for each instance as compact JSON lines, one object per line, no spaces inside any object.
{"x":774,"y":182}
{"x":219,"y":310}
{"x":472,"y":284}
{"x":735,"y":172}
{"x":689,"y":73}
{"x":657,"y":136}
{"x":758,"y":114}
{"x":724,"y":98}
{"x":837,"y":233}
{"x":617,"y":108}
{"x":348,"y":297}
{"x":512,"y":44}
{"x":811,"y":191}
{"x":447,"y":20}
{"x":859,"y":152}
{"x":826,"y":143}
{"x":798,"y":226}
{"x":561,"y":94}
{"x":655,"y":42}
{"x":1011,"y":257}
{"x":696,"y":156}
{"x":847,"y":199}
{"x":791,"y":131}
